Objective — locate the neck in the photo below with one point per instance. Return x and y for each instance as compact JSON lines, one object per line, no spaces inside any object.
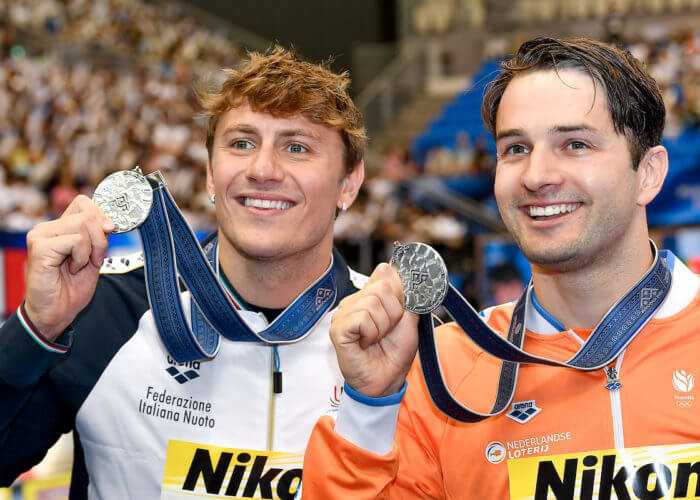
{"x":580,"y":298}
{"x":273,"y":283}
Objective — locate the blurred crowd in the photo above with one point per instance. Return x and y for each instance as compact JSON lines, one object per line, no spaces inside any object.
{"x":157,"y":30}
{"x":675,"y":64}
{"x":64,"y":127}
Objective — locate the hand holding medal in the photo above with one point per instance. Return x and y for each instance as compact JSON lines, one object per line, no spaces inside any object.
{"x":424,"y":279}
{"x":64,"y":260}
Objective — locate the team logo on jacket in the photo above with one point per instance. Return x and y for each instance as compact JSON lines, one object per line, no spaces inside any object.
{"x":495,"y":452}
{"x":183,"y":372}
{"x":683,"y":383}
{"x":523,"y":411}
{"x":335,"y":397}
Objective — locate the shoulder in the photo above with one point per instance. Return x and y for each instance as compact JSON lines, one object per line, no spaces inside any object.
{"x":357,"y":279}
{"x":122,"y":278}
{"x":122,"y":264}
{"x":348,"y":281}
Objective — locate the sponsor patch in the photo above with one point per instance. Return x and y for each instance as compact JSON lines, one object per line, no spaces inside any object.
{"x":523,"y":411}
{"x":669,"y":471}
{"x":204,"y":471}
{"x":495,"y":452}
{"x":683,"y":383}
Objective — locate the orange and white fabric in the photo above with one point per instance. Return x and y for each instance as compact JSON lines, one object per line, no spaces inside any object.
{"x":564,"y":436}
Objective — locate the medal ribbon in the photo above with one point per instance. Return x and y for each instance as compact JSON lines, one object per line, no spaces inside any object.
{"x":615,"y":331}
{"x":171,"y":246}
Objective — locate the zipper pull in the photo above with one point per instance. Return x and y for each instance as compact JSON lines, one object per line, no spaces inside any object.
{"x":613,"y":382}
{"x":277,"y":382}
{"x":276,"y":371}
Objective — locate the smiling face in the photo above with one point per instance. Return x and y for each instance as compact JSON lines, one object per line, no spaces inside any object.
{"x":565,"y":185}
{"x":278,"y":182}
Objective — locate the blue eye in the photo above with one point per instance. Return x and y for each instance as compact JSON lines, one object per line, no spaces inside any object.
{"x":577,"y":145}
{"x":516,"y":149}
{"x":295,"y":147}
{"x":242,"y":144}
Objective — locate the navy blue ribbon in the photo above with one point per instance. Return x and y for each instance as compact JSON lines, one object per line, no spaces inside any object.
{"x":165,"y":235}
{"x":614,"y":332}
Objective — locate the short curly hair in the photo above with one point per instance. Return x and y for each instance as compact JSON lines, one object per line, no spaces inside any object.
{"x":280,"y":83}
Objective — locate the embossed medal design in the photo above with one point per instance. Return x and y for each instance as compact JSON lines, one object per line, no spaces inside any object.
{"x":126,"y":198}
{"x":423,"y":275}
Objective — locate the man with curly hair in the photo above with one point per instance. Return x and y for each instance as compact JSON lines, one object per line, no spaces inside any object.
{"x":82,"y":353}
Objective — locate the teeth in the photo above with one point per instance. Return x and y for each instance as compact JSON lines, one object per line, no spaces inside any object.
{"x":550,"y":210}
{"x":274,"y":204}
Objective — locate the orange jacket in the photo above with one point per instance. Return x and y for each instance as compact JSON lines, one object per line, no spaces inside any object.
{"x":573,"y":415}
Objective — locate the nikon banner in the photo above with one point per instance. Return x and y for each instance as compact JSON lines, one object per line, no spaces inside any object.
{"x":646,"y":473}
{"x":205,"y":471}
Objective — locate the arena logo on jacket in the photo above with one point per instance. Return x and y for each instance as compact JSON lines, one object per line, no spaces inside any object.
{"x":193,"y":469}
{"x":668,"y":471}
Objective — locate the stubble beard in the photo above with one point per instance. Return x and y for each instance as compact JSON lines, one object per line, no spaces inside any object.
{"x":593,"y":243}
{"x":280,"y":251}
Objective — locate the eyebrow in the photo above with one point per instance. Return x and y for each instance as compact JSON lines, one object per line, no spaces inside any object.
{"x":244,"y":128}
{"x":303,"y":132}
{"x":579,"y":127}
{"x":511,"y":132}
{"x":559,"y":129}
{"x":250,"y":129}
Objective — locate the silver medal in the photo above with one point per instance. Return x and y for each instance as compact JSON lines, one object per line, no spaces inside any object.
{"x":423,"y":275}
{"x":126,"y":198}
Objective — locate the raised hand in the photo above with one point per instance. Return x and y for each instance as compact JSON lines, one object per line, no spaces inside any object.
{"x":64,"y":262}
{"x":375,"y":339}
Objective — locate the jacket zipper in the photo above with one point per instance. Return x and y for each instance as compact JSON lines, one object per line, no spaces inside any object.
{"x":275,"y":389}
{"x":613,"y":384}
{"x":612,"y":375}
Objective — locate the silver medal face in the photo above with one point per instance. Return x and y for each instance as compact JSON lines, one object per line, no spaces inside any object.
{"x":126,"y":198}
{"x":423,"y":275}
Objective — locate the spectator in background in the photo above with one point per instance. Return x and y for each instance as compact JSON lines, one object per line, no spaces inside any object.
{"x":505,"y":283}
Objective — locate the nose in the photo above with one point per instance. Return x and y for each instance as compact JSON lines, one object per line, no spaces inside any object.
{"x":541,"y":169}
{"x":265,"y":166}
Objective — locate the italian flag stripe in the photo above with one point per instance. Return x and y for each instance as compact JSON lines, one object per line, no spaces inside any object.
{"x":231,"y":296}
{"x":43,"y":343}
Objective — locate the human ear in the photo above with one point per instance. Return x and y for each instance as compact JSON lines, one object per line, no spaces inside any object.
{"x":652,"y":171}
{"x":351,"y":185}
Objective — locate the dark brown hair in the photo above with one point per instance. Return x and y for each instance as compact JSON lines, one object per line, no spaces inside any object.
{"x":634,"y":100}
{"x":280,"y":83}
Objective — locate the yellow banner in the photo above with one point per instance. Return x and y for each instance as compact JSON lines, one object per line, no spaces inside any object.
{"x":54,"y":488}
{"x":199,"y":470}
{"x":652,"y":472}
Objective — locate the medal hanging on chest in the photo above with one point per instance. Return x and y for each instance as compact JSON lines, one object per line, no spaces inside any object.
{"x":132,"y":200}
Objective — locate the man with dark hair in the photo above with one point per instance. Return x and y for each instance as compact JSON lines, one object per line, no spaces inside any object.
{"x":577,"y":125}
{"x":83,"y":351}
